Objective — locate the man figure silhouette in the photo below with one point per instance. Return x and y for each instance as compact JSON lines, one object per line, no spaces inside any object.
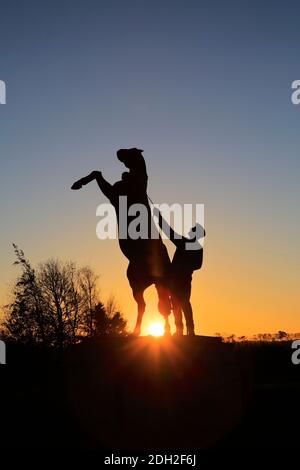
{"x":187,"y":258}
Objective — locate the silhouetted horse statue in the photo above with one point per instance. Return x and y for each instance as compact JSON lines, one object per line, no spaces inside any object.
{"x":149,"y":261}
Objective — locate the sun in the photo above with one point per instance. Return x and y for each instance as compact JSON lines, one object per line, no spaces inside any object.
{"x":156,"y":329}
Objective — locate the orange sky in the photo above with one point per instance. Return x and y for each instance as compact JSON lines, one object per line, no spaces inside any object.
{"x":240,"y":289}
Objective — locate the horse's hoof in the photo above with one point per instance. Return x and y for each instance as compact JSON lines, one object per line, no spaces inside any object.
{"x":178,"y":333}
{"x":136,"y":332}
{"x":77,"y":185}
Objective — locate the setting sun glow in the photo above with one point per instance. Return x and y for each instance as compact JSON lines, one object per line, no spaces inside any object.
{"x":156,"y":329}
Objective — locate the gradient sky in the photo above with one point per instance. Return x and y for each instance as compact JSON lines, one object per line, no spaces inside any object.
{"x":204,"y":87}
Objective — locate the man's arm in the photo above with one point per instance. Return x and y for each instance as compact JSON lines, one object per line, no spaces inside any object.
{"x":166,"y":228}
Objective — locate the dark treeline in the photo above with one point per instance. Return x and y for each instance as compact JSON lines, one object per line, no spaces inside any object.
{"x":58,"y":304}
{"x":260,"y":337}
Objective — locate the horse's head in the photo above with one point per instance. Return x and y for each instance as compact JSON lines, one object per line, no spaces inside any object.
{"x":130,"y":157}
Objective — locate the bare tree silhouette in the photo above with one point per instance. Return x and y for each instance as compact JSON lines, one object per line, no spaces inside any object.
{"x":58,"y":304}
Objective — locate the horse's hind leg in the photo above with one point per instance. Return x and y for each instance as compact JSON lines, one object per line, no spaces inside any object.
{"x":164,"y":304}
{"x":138,"y":287}
{"x":139,"y":298}
{"x":167,"y":326}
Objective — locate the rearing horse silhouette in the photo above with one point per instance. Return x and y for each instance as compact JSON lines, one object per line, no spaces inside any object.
{"x":149,"y":261}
